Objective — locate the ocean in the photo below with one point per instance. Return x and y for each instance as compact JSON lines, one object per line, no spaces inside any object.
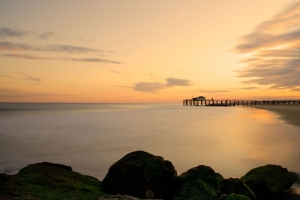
{"x":91,"y":137}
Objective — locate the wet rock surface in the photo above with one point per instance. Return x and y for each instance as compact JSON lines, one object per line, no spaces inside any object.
{"x":233,"y":196}
{"x":142,"y":175}
{"x":49,"y":181}
{"x":121,"y":197}
{"x":268,"y":180}
{"x":236,"y":186}
{"x":200,"y":182}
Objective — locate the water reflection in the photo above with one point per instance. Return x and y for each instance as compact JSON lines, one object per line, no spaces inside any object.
{"x":231,"y":140}
{"x":234,"y":143}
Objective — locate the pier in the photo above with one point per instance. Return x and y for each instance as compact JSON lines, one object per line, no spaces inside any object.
{"x":226,"y":102}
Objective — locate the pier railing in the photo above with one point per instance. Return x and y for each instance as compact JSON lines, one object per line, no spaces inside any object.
{"x":226,"y":102}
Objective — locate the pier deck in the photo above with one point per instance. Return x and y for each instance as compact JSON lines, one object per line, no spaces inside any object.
{"x":226,"y":102}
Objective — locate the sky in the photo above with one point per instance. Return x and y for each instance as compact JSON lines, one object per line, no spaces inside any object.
{"x":148,"y":51}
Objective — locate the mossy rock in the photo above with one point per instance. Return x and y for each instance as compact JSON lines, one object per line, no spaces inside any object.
{"x":237,"y":186}
{"x":233,"y":196}
{"x":198,"y":183}
{"x":265,"y":181}
{"x":141,"y":174}
{"x":50,"y":181}
{"x":219,"y":177}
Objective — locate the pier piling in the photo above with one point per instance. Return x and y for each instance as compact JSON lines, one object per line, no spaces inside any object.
{"x":213,"y":102}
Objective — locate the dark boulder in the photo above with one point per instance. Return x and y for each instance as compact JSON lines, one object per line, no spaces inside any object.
{"x":233,"y":196}
{"x":219,"y":177}
{"x":121,"y":197}
{"x":265,"y":181}
{"x":237,"y":186}
{"x":49,"y":181}
{"x":141,"y":174}
{"x":198,"y":183}
{"x":45,"y":165}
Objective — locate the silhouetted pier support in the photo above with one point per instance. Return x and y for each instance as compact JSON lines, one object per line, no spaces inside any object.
{"x":195,"y":102}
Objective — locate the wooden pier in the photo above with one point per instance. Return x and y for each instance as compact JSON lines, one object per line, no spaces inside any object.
{"x":196,"y":102}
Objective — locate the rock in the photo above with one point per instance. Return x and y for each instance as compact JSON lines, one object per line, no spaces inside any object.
{"x":149,"y":194}
{"x":139,"y":172}
{"x":233,"y":196}
{"x":267,"y":180}
{"x":3,"y":177}
{"x":121,"y":197}
{"x":237,"y":186}
{"x":47,"y":164}
{"x":49,"y":181}
{"x":198,"y":183}
{"x":298,"y":178}
{"x":219,"y":177}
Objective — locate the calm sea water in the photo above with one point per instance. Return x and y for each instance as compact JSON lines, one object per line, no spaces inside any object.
{"x":91,"y":137}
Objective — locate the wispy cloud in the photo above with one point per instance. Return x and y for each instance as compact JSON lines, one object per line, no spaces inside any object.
{"x":214,"y":91}
{"x":8,"y":32}
{"x":8,"y":91}
{"x":153,"y":87}
{"x":46,"y":35}
{"x":10,"y":46}
{"x":9,"y":94}
{"x":177,"y":82}
{"x":249,"y":88}
{"x":13,"y":49}
{"x":93,"y":60}
{"x":69,"y":49}
{"x":220,"y":91}
{"x":148,"y":87}
{"x":122,"y":86}
{"x":30,"y":78}
{"x":116,"y":72}
{"x":273,"y":51}
{"x":296,"y":89}
{"x":30,"y":57}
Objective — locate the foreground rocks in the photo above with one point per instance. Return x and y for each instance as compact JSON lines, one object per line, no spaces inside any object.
{"x":268,"y":180}
{"x":140,"y":175}
{"x":236,"y":186}
{"x":121,"y":197}
{"x":233,"y":196}
{"x":147,"y":176}
{"x":49,"y":181}
{"x":197,"y":183}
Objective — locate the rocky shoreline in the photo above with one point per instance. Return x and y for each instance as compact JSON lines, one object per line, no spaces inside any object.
{"x":141,"y":175}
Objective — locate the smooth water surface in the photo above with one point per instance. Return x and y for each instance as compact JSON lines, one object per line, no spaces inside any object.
{"x":91,"y":137}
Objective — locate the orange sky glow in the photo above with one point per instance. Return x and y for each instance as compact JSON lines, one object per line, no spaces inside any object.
{"x":148,"y":51}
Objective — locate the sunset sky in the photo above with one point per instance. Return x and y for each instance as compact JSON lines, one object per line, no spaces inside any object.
{"x":148,"y":50}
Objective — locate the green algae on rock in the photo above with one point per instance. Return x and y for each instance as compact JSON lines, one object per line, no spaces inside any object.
{"x":268,"y":180}
{"x":121,"y":197}
{"x":233,"y":196}
{"x":219,"y":177}
{"x":139,"y":173}
{"x":49,"y":181}
{"x":198,"y":183}
{"x":237,"y":186}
